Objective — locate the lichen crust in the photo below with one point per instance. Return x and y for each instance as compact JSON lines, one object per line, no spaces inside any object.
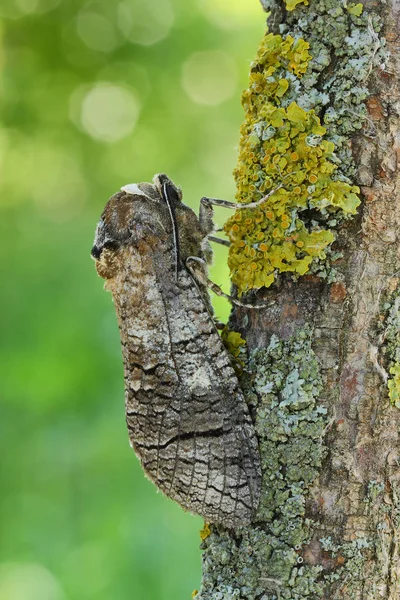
{"x":303,"y":166}
{"x":291,"y":4}
{"x":284,"y":382}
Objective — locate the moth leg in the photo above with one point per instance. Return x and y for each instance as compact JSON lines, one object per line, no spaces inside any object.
{"x":196,"y":267}
{"x":206,"y":216}
{"x":217,"y":240}
{"x":239,"y":205}
{"x":208,"y":203}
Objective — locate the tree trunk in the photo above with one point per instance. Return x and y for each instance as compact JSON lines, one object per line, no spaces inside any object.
{"x":321,"y":357}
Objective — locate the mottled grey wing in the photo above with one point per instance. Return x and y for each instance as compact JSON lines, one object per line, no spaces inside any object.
{"x":187,"y":417}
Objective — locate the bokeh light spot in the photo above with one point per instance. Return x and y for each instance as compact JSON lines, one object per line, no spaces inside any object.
{"x":28,"y":580}
{"x":146,"y":22}
{"x":27,"y":6}
{"x":96,"y":31}
{"x":36,"y":6}
{"x":209,"y":77}
{"x":128,"y":73}
{"x":109,"y":112}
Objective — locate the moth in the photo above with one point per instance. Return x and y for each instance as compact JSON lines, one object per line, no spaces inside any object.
{"x":187,"y":418}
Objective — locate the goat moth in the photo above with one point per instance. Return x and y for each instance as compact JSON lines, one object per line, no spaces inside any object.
{"x":187,"y":418}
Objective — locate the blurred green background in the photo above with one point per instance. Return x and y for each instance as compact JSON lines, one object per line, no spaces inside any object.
{"x":95,"y":95}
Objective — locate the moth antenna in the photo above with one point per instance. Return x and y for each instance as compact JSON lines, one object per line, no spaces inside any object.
{"x":174,"y":224}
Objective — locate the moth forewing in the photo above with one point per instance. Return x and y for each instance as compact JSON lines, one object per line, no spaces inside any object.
{"x":187,"y":417}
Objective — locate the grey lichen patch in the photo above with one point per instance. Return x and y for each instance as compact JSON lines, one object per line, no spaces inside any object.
{"x":353,"y":559}
{"x":265,"y":561}
{"x":346,"y":47}
{"x":234,"y":566}
{"x":352,"y":556}
{"x":289,"y":423}
{"x":326,"y":269}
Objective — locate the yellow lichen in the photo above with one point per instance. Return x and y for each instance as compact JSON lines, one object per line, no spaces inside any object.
{"x":291,"y":4}
{"x":355,"y":9}
{"x":205,"y":532}
{"x":282,"y":153}
{"x":394,"y":385}
{"x":274,"y":53}
{"x":233,"y":341}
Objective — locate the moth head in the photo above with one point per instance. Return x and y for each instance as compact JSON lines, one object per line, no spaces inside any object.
{"x":139,"y":212}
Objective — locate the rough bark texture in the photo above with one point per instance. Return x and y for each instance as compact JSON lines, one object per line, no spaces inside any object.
{"x":329,"y":522}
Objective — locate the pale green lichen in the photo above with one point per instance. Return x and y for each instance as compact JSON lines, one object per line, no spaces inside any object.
{"x":351,"y":558}
{"x":391,"y":349}
{"x":394,"y":385}
{"x":289,"y":423}
{"x":285,"y":148}
{"x":283,"y":382}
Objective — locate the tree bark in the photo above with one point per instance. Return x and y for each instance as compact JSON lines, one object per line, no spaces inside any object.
{"x":328,"y":526}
